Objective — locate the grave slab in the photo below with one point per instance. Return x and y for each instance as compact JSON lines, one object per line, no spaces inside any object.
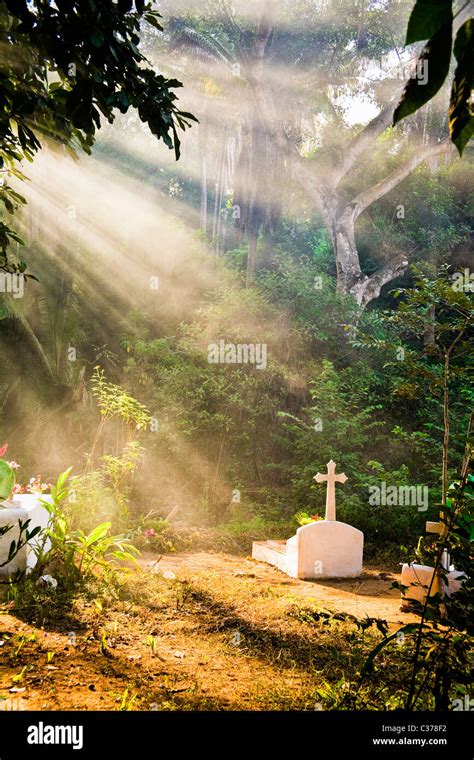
{"x":322,"y":549}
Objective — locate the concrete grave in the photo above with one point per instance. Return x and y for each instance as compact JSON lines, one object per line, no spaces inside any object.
{"x":322,"y":549}
{"x":22,"y":507}
{"x":418,"y":579}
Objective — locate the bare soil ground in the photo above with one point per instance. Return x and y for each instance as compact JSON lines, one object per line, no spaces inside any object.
{"x":371,"y":594}
{"x":192,"y":631}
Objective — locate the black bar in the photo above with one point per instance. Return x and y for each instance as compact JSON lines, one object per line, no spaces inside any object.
{"x":153,"y":734}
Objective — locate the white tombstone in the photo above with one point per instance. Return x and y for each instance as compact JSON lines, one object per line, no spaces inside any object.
{"x":418,"y":579}
{"x":19,"y":509}
{"x":322,"y":549}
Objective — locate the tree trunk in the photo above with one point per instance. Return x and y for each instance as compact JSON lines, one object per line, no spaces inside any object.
{"x":218,"y":196}
{"x":350,"y":278}
{"x":251,"y":257}
{"x":256,"y":200}
{"x":202,"y":150}
{"x":345,"y":250}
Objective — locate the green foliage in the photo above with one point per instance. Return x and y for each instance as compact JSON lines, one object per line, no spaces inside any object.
{"x":233,"y":407}
{"x":150,"y":533}
{"x":346,"y":408}
{"x":53,"y":83}
{"x":103,"y":494}
{"x":435,"y":20}
{"x":99,"y":549}
{"x":76,"y":553}
{"x":441,"y":643}
{"x":90,"y":500}
{"x":228,"y":428}
{"x":119,"y":471}
{"x":432,"y":324}
{"x":305,"y":288}
{"x":7,"y":479}
{"x":115,"y":402}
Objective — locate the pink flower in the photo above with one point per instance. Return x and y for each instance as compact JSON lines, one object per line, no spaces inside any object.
{"x":14,"y":465}
{"x":3,"y":450}
{"x":149,"y":532}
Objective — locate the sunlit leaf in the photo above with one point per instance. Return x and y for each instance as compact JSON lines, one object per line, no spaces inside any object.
{"x":461,"y":119}
{"x":434,"y":60}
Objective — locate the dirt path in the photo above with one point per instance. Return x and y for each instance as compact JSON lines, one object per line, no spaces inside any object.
{"x":194,"y":631}
{"x":370,"y":595}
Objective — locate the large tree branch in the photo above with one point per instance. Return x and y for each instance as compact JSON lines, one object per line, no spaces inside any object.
{"x":264,"y":30}
{"x":368,"y":287}
{"x":378,"y":125}
{"x":372,"y":194}
{"x":362,"y":141}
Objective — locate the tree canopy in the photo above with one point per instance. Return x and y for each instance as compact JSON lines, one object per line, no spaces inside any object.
{"x":65,"y":66}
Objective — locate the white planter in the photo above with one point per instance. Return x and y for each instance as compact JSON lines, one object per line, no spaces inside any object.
{"x":21,"y":508}
{"x":417,"y":578}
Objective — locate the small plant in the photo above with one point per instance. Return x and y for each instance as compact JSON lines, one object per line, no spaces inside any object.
{"x":115,"y":403}
{"x":151,"y":642}
{"x":19,"y":677}
{"x":119,"y":470}
{"x":22,"y":640}
{"x":152,"y":533}
{"x":79,"y":553}
{"x":104,"y":645}
{"x":24,"y":536}
{"x":127,"y":701}
{"x":100,"y":549}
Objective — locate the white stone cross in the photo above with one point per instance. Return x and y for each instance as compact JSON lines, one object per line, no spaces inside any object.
{"x":331,"y":478}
